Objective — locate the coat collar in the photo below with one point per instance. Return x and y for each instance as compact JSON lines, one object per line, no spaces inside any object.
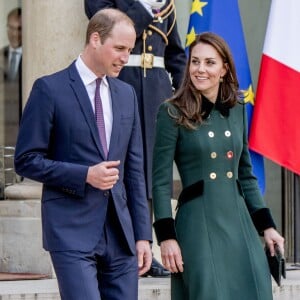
{"x":207,"y":107}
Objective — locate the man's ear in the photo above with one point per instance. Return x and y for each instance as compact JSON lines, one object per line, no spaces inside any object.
{"x":95,"y":39}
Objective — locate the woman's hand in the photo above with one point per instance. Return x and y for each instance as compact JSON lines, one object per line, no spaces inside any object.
{"x":272,"y":237}
{"x":171,"y":256}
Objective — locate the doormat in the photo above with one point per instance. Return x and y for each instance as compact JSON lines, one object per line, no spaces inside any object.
{"x":5,"y":276}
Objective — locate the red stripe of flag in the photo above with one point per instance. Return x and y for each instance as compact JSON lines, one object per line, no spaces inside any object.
{"x":275,"y":131}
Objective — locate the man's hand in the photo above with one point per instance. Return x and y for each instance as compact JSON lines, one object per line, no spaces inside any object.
{"x":144,"y":256}
{"x":104,"y":175}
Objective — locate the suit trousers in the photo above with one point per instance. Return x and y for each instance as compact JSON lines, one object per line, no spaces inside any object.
{"x":109,"y":272}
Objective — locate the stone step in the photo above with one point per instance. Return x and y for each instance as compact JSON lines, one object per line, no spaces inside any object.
{"x":46,"y":289}
{"x":149,"y":289}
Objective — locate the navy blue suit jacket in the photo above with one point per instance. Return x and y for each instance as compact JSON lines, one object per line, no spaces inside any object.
{"x":58,"y":140}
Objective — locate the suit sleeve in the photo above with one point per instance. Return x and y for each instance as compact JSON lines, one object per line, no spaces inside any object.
{"x":260,"y":214}
{"x":163,"y":157}
{"x":133,"y":9}
{"x":35,"y":140}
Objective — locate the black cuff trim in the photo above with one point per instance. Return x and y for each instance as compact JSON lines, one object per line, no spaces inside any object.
{"x":164,"y":229}
{"x":262,"y":220}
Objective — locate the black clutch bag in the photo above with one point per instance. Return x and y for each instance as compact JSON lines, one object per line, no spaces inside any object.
{"x":276,"y":264}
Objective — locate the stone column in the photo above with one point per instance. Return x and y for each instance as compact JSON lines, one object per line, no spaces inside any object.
{"x":53,"y":36}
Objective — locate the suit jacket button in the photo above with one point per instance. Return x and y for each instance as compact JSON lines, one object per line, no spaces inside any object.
{"x":106,"y":194}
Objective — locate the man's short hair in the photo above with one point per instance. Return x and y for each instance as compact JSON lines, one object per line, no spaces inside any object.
{"x":16,"y":12}
{"x":103,"y":22}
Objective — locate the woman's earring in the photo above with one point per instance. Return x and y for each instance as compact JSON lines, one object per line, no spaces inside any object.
{"x":221,"y":79}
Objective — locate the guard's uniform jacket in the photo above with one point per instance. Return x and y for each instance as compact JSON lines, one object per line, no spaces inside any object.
{"x":156,"y":65}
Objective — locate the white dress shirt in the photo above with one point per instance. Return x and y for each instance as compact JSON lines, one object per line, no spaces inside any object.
{"x":18,"y":56}
{"x":147,"y":7}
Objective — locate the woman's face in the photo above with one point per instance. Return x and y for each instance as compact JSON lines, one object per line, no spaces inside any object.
{"x":206,"y":69}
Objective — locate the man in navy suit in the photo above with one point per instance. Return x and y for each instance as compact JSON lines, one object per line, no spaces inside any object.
{"x":95,"y":215}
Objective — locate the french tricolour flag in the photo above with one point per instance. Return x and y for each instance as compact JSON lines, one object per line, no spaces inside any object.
{"x":275,"y":128}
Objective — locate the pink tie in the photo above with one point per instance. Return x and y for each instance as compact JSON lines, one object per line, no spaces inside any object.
{"x":100,"y":117}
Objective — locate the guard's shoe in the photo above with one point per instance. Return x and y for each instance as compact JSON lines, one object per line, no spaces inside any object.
{"x":157,"y":270}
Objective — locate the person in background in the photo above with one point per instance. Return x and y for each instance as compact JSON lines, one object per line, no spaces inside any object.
{"x":155,"y":68}
{"x":10,"y":92}
{"x":212,"y":247}
{"x":11,"y":71}
{"x":80,"y":136}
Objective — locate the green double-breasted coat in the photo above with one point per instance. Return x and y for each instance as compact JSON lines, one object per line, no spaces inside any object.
{"x":222,"y":252}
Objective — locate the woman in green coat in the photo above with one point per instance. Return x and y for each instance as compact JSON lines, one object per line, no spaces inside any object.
{"x":212,"y":247}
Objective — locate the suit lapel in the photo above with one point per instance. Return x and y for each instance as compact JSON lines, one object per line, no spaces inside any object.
{"x":115,"y":99}
{"x":84,"y":101}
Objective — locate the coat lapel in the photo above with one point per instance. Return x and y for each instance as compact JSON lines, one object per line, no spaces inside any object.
{"x":84,"y":101}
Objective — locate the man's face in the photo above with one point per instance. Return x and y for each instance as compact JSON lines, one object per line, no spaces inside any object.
{"x":14,"y":31}
{"x":111,"y":56}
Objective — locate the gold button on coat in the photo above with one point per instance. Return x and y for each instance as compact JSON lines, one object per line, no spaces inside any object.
{"x":229,"y":174}
{"x":213,"y":155}
{"x":213,"y":175}
{"x":227,"y":133}
{"x":149,"y":32}
{"x":150,"y":48}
